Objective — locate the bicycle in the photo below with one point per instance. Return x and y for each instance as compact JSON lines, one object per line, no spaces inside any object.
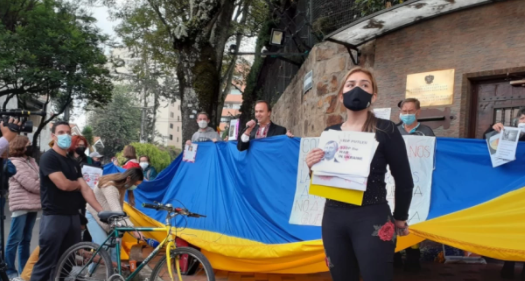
{"x":88,"y":257}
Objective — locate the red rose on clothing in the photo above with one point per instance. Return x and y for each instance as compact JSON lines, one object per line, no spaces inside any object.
{"x":386,"y":233}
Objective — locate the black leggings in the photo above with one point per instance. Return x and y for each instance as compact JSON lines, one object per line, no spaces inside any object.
{"x":353,"y":247}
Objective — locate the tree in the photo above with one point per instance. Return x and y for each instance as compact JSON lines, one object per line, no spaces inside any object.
{"x":51,"y":49}
{"x":87,"y":132}
{"x":190,"y":36}
{"x":117,"y":123}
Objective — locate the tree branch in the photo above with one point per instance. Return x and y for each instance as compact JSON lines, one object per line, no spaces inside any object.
{"x":162,"y":19}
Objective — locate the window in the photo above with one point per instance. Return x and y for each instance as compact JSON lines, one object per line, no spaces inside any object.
{"x":177,"y":139}
{"x":177,"y":128}
{"x":172,"y":115}
{"x":171,"y":137}
{"x":506,"y":115}
{"x":171,"y":126}
{"x":236,"y":106}
{"x":179,"y":106}
{"x":178,"y":118}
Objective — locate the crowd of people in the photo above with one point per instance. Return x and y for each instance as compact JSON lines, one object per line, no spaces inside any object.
{"x":56,"y":187}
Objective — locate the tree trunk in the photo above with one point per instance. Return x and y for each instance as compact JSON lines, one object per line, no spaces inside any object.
{"x":200,"y":85}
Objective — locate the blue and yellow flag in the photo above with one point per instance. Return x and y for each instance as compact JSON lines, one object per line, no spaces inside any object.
{"x":248,"y":197}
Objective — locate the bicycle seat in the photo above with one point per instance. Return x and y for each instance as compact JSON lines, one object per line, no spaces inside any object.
{"x":105,"y":216}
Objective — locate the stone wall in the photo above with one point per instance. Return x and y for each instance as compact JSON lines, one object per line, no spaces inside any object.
{"x":308,"y":114}
{"x":488,"y":39}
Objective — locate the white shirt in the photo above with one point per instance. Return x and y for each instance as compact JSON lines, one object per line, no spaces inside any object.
{"x":246,"y":138}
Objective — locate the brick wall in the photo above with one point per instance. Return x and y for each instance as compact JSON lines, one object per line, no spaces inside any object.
{"x":483,"y":39}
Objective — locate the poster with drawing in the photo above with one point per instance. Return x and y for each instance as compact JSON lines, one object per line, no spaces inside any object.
{"x":190,"y":153}
{"x":233,"y":133}
{"x":91,"y":175}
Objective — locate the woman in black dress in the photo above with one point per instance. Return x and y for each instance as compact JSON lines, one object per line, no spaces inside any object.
{"x":361,"y":240}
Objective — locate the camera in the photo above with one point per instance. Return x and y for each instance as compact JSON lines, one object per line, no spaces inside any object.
{"x":26,"y":126}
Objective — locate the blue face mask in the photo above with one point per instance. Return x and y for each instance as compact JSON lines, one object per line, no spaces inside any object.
{"x":408,"y":119}
{"x":64,"y":141}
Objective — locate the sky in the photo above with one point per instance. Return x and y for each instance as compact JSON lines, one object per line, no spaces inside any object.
{"x":107,"y":26}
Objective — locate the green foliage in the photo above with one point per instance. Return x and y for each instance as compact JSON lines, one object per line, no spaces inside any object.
{"x":50,"y":47}
{"x":118,"y":123}
{"x":250,"y":92}
{"x":159,"y":159}
{"x":87,"y":132}
{"x":368,"y":7}
{"x":172,"y":151}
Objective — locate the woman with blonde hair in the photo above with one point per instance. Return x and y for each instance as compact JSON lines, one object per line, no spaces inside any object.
{"x":24,"y":203}
{"x":360,"y":240}
{"x":110,"y":193}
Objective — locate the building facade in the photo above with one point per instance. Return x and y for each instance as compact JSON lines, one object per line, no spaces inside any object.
{"x":483,"y":44}
{"x":168,"y":129}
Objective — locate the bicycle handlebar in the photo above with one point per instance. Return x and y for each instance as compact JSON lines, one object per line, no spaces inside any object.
{"x":169,"y":208}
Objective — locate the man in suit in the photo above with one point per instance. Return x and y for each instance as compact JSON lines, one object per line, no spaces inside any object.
{"x":263,"y":128}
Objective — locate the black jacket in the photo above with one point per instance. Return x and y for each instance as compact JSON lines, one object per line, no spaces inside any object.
{"x":274,"y":130}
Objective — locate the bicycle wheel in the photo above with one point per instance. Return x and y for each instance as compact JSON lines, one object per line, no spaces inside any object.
{"x":196,"y":266}
{"x":75,"y":263}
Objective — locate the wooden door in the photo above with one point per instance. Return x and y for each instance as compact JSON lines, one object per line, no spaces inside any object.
{"x":494,"y":101}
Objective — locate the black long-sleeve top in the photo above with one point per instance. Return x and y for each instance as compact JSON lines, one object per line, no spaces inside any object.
{"x":390,"y":151}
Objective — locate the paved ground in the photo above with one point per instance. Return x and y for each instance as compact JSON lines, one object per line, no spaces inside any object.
{"x":430,"y":271}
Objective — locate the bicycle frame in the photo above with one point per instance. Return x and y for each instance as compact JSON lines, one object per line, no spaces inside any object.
{"x":169,"y":240}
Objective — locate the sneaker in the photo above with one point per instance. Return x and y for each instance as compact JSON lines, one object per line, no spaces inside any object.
{"x":17,"y":279}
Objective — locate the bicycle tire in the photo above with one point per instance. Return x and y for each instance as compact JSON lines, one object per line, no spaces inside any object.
{"x":185,"y":251}
{"x":83,"y":245}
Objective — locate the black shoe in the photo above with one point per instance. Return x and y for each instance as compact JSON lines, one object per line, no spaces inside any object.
{"x":398,"y":260}
{"x":412,"y":262}
{"x":507,"y":271}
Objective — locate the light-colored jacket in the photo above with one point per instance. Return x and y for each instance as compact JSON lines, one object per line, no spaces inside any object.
{"x":24,"y":186}
{"x":110,"y":200}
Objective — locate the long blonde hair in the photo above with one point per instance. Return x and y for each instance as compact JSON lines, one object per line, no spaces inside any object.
{"x":371,"y":120}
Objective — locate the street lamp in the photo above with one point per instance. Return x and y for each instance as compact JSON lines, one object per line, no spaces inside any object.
{"x":277,"y":38}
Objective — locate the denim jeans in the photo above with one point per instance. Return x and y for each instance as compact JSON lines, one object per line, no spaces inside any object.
{"x":19,"y":238}
{"x":98,"y":234}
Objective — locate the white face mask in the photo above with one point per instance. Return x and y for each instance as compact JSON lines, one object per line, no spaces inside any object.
{"x":144,"y":165}
{"x":521,"y":126}
{"x":203,"y":124}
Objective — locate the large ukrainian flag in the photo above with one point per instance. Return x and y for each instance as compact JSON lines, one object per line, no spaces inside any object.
{"x":248,"y":198}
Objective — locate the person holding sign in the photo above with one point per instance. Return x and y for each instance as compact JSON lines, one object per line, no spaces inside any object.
{"x":508,"y":267}
{"x":205,"y":133}
{"x":410,"y":111}
{"x":360,"y":240}
{"x":520,"y":116}
{"x":263,"y":128}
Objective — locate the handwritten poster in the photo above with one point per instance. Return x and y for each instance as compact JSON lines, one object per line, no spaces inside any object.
{"x":383,"y":113}
{"x":307,"y":209}
{"x":421,"y":157}
{"x":91,"y":175}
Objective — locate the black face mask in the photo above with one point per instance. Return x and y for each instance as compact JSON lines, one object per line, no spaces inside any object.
{"x":357,"y":99}
{"x":81,"y":150}
{"x":29,"y":151}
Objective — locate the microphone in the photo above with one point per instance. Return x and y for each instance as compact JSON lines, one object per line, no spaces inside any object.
{"x":246,"y":127}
